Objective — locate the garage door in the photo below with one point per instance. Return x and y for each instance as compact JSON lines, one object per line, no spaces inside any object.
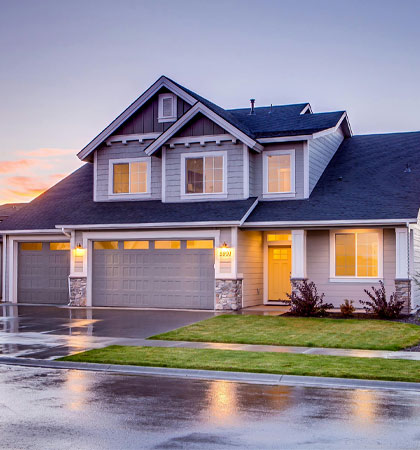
{"x":43,"y":270}
{"x":156,"y":274}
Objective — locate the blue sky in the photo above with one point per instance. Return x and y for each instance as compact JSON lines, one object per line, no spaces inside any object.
{"x":68,"y":68}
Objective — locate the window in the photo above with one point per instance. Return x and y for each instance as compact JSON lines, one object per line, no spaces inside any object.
{"x":357,"y":254}
{"x":105,"y":245}
{"x":31,"y":246}
{"x":279,"y":172}
{"x":167,"y":108}
{"x":59,"y":246}
{"x":130,"y":176}
{"x":136,"y":245}
{"x":279,"y":237}
{"x":204,"y":174}
{"x":167,"y":245}
{"x":201,"y":244}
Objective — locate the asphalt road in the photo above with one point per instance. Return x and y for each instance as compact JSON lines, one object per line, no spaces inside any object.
{"x":70,"y":409}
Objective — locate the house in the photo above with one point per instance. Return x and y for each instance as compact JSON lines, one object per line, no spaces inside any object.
{"x":184,"y":204}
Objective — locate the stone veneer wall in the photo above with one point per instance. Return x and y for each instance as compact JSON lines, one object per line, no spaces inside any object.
{"x":228,"y":294}
{"x":403,"y":292}
{"x":78,"y":286}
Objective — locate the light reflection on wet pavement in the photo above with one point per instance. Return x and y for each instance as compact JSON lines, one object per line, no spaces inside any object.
{"x":54,"y":409}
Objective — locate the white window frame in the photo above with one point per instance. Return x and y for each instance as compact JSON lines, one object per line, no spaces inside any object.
{"x":204,"y":195}
{"x":129,"y":195}
{"x":161,"y":117}
{"x":292,"y":192}
{"x":334,"y":278}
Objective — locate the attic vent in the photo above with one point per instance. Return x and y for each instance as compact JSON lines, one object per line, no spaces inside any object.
{"x":167,"y":108}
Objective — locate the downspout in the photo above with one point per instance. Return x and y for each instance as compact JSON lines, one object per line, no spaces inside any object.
{"x":69,"y":235}
{"x":408,"y":262}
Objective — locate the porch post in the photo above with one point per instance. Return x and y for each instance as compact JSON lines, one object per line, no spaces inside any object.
{"x":402,"y":275}
{"x":298,"y":257}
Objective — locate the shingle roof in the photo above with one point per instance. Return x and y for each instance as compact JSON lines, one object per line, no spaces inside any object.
{"x":8,"y":209}
{"x":70,"y":202}
{"x":374,"y":184}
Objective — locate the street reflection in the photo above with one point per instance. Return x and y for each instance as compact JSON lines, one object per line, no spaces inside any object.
{"x":77,"y":385}
{"x":222,"y":403}
{"x":364,"y":406}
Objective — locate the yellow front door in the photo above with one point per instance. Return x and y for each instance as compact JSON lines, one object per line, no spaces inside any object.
{"x":279,"y":269}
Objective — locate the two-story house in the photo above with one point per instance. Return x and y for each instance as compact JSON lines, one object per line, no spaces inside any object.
{"x":183,"y":204}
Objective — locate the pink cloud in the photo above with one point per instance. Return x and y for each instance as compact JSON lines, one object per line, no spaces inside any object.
{"x":12,"y":166}
{"x":48,"y":152}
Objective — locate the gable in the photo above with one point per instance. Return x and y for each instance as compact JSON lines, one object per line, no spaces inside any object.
{"x":200,"y":125}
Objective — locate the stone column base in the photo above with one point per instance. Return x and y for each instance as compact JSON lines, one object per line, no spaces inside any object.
{"x":403,"y":292}
{"x":78,"y":286}
{"x":228,"y":295}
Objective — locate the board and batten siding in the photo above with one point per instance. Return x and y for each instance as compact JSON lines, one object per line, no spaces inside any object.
{"x":235,"y":188}
{"x":200,"y":126}
{"x":318,"y":269}
{"x":121,"y":151}
{"x":321,"y":150}
{"x":250,"y":256}
{"x":256,"y":170}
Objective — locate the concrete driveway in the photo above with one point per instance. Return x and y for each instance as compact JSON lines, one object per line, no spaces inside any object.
{"x":48,"y":332}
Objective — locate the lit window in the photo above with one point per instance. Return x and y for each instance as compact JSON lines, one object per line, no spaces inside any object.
{"x":136,"y":245}
{"x":356,"y":254}
{"x":105,"y":245}
{"x":279,"y":237}
{"x":55,"y":246}
{"x":130,"y":177}
{"x":167,"y":245}
{"x":204,"y":175}
{"x":31,"y":246}
{"x":167,"y":108}
{"x":279,"y":173}
{"x":199,"y":244}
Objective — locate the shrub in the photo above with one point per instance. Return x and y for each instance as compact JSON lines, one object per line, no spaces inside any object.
{"x":305,"y":300}
{"x":347,"y":309}
{"x":379,"y":305}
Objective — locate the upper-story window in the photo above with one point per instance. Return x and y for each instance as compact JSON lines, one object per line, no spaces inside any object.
{"x":203,"y":174}
{"x":129,"y":176}
{"x":279,"y":173}
{"x":167,"y":108}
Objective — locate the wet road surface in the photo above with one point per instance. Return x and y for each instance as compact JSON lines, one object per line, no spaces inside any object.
{"x":70,"y":409}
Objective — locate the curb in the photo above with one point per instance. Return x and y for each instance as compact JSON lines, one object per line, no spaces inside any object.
{"x":241,"y":377}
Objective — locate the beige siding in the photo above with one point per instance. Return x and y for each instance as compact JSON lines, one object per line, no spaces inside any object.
{"x":250,"y":264}
{"x":318,"y":269}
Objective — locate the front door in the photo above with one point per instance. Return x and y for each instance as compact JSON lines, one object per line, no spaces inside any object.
{"x":279,"y":270}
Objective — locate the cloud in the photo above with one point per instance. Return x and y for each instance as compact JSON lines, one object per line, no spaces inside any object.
{"x":12,"y":166}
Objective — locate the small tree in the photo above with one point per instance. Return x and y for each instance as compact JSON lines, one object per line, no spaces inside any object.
{"x":380,"y":305}
{"x":305,"y":300}
{"x":347,"y":309}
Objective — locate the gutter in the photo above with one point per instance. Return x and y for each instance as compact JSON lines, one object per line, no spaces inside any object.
{"x":123,"y":226}
{"x":323,"y":223}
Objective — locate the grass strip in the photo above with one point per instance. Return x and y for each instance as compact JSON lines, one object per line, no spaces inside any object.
{"x":260,"y":362}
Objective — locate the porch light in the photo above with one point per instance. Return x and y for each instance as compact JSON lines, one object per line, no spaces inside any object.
{"x":79,"y":250}
{"x":224,"y":251}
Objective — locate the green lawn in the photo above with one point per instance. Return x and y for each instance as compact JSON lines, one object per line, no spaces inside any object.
{"x":262,"y":362}
{"x":307,"y":332}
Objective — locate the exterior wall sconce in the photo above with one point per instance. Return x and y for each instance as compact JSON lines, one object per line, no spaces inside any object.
{"x":224,"y":251}
{"x":79,"y":250}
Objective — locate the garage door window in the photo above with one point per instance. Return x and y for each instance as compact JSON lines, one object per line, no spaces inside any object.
{"x":136,"y":245}
{"x":200,"y":244}
{"x":59,"y":246}
{"x":31,"y":246}
{"x":105,"y":245}
{"x":167,"y":245}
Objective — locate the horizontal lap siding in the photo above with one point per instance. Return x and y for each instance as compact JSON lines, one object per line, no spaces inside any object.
{"x":234,"y":169}
{"x":321,"y":150}
{"x":121,"y":151}
{"x":250,"y":264}
{"x":318,"y":269}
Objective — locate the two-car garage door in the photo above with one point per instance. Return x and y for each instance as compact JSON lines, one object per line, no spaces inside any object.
{"x":153,"y":273}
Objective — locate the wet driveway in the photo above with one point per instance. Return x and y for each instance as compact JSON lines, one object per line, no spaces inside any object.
{"x":47,"y":332}
{"x":70,"y":409}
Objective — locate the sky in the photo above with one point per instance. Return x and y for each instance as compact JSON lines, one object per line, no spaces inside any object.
{"x":68,"y":68}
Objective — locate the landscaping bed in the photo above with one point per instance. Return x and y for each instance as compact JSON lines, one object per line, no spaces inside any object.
{"x":297,"y":331}
{"x":260,"y":362}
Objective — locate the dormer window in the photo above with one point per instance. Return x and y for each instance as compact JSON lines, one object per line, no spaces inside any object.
{"x":279,"y":173}
{"x":167,"y":108}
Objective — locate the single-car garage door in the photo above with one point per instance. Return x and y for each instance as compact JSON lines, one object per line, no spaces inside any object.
{"x":156,"y":274}
{"x":43,"y":270}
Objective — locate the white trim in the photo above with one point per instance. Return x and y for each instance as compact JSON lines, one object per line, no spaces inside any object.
{"x":401,"y":254}
{"x":205,"y":195}
{"x":163,"y":181}
{"x":200,"y":108}
{"x":129,"y":195}
{"x":95,"y":174}
{"x":355,"y":280}
{"x":249,"y":212}
{"x":125,"y":226}
{"x":341,"y":278}
{"x":35,"y":231}
{"x":323,"y":223}
{"x":306,"y":169}
{"x":202,"y":140}
{"x":161,"y":117}
{"x":234,"y":246}
{"x":153,"y":89}
{"x":246,"y":170}
{"x":291,"y":193}
{"x":125,"y":138}
{"x":306,"y":108}
{"x":298,"y":254}
{"x":3,"y":268}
